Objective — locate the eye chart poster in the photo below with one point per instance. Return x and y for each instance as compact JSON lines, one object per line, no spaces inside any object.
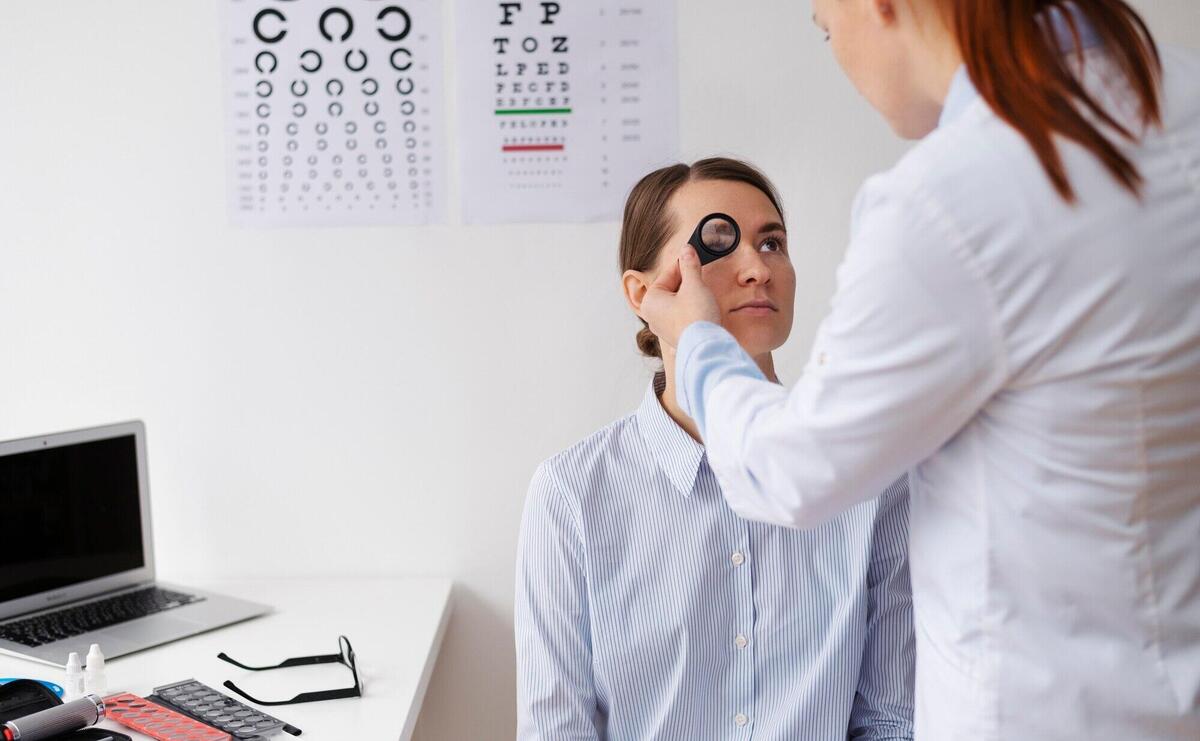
{"x":562,"y":105}
{"x":335,"y":112}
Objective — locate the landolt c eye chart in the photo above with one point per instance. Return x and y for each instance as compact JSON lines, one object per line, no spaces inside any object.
{"x":335,"y":112}
{"x":562,"y":105}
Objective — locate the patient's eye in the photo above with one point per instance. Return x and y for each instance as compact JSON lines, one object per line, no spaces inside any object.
{"x":773,"y":244}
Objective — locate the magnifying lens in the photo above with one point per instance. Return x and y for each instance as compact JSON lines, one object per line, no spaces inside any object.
{"x":716,"y":236}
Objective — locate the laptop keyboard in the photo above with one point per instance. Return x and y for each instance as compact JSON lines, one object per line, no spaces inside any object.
{"x":73,"y":621}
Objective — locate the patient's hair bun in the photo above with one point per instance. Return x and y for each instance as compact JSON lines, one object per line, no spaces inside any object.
{"x":647,"y":342}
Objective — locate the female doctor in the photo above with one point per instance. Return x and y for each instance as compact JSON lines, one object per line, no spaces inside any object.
{"x":1017,"y":323}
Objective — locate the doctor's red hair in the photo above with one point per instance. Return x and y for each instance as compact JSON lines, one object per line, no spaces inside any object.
{"x":1015,"y":61}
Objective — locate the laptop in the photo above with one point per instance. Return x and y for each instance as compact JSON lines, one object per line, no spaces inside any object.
{"x":77,"y":554}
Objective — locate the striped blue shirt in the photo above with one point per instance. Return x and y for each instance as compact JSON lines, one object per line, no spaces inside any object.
{"x":645,"y":609}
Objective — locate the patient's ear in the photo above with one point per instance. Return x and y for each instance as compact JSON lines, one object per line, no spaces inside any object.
{"x":636,"y":283}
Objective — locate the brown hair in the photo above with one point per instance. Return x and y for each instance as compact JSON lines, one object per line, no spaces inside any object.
{"x":647,"y":223}
{"x":1014,"y":58}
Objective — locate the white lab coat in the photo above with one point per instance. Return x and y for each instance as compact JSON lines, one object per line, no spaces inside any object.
{"x":1036,"y":367}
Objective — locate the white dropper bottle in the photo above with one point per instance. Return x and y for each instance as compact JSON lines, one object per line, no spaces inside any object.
{"x":74,"y":684}
{"x":95,"y":683}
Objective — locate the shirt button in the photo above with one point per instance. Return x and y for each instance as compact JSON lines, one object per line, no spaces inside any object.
{"x":741,"y":641}
{"x":741,"y":719}
{"x":738,"y":558}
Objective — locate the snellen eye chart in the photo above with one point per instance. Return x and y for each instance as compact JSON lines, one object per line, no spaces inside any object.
{"x":335,"y":112}
{"x":562,"y":105}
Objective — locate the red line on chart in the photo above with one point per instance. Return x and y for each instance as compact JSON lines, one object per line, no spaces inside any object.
{"x":533,"y":148}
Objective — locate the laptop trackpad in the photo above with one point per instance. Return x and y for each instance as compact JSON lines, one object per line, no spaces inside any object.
{"x":151,"y":630}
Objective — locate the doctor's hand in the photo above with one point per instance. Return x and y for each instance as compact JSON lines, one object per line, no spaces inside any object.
{"x":677,"y":298}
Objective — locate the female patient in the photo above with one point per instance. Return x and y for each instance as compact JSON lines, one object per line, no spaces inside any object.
{"x":645,"y":609}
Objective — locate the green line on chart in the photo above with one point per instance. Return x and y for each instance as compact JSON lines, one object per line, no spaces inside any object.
{"x":531,"y":111}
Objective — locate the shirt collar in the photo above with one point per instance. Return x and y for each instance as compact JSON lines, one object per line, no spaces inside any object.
{"x":962,"y":91}
{"x":676,"y":452}
{"x":962,"y":94}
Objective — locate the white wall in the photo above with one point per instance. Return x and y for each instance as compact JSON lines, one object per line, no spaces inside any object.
{"x":363,"y":401}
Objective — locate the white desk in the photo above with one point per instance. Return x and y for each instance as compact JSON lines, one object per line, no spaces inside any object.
{"x":395,"y":625}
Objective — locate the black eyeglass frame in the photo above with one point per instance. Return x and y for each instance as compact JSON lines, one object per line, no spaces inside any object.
{"x":344,"y":657}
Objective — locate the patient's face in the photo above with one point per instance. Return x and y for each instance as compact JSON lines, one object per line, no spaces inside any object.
{"x":755,"y":286}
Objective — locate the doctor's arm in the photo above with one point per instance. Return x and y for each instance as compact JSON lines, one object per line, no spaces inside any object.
{"x":556,"y":696}
{"x":883,"y":705}
{"x":910,"y":352}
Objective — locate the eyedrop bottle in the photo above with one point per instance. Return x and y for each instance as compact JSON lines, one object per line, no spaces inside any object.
{"x":73,"y":687}
{"x":94,"y":681}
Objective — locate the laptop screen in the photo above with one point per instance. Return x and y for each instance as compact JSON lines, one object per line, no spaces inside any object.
{"x":69,"y":514}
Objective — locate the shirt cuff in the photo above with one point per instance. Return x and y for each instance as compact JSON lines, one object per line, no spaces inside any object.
{"x":706,"y":354}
